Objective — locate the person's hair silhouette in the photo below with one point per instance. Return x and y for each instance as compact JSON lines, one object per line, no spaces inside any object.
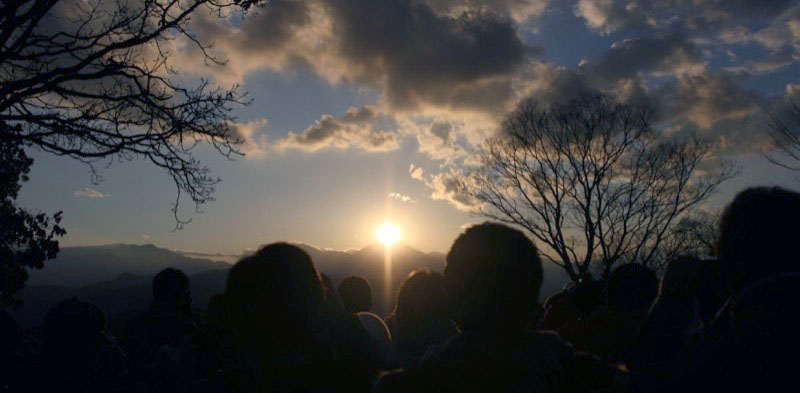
{"x":631,"y":287}
{"x":356,"y":294}
{"x":77,"y":353}
{"x":275,"y":295}
{"x":757,"y":235}
{"x":171,"y":289}
{"x":493,"y":276}
{"x":420,"y":317}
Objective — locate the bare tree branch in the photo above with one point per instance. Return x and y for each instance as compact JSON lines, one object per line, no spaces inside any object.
{"x":594,"y":182}
{"x":92,"y":80}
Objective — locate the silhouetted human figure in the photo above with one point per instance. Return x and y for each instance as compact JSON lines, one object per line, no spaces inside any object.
{"x":766,"y":322}
{"x":492,"y":278}
{"x":16,"y":361}
{"x":292,"y":331}
{"x":611,"y":332}
{"x":161,"y":342}
{"x":216,"y":345}
{"x":573,"y":305}
{"x":757,"y":235}
{"x":420,"y":317}
{"x":78,"y":355}
{"x":381,"y":336}
{"x":356,"y":294}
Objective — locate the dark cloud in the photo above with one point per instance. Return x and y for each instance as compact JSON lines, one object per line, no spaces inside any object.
{"x":423,"y":57}
{"x":659,"y":54}
{"x":696,"y":15}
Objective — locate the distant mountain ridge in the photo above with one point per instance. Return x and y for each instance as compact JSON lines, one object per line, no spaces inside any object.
{"x":117,"y":277}
{"x":78,"y":266}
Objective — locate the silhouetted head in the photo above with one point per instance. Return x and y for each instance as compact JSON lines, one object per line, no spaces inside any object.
{"x":72,"y":329}
{"x":275,"y":295}
{"x":421,"y":299}
{"x":586,"y":295}
{"x":9,"y":332}
{"x":215,"y":312}
{"x":356,"y":294}
{"x":758,"y":235}
{"x":631,"y":287}
{"x":493,"y":277}
{"x":171,"y":289}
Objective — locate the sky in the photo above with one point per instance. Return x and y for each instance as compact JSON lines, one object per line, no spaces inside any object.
{"x":365,"y":111}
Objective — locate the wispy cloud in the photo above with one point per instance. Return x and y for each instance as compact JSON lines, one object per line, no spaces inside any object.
{"x":402,"y":198}
{"x":91,"y":193}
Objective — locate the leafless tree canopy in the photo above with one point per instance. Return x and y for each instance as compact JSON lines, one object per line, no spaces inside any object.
{"x":785,"y":134}
{"x":92,"y":79}
{"x":593,"y":181}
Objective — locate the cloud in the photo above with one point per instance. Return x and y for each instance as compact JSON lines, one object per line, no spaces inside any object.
{"x":416,"y":172}
{"x":659,"y":55}
{"x":253,"y":144}
{"x":702,"y":16}
{"x":402,"y":198}
{"x":145,"y":236}
{"x":354,"y":129}
{"x":438,"y":53}
{"x":91,"y":193}
{"x":451,"y":186}
{"x":518,"y":10}
{"x":710,"y":98}
{"x":608,"y":16}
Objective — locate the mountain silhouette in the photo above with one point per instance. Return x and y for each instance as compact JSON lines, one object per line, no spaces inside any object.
{"x":78,"y":266}
{"x":117,"y":277}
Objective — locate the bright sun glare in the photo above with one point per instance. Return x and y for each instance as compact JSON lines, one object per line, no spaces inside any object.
{"x":388,"y":233}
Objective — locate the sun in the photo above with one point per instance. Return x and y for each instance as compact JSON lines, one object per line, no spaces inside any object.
{"x":388,"y":233}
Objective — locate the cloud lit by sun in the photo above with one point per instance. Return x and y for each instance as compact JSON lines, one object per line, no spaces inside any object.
{"x":388,"y":234}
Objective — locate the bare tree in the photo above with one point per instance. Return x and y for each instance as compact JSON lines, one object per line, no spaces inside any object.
{"x":695,"y":235}
{"x":593,"y":181}
{"x":785,"y":134}
{"x":92,"y":80}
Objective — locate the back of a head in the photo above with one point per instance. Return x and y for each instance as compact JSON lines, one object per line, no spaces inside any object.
{"x":421,"y":300}
{"x":275,"y":294}
{"x":631,"y":287}
{"x":215,"y":311}
{"x":356,"y":294}
{"x":171,"y":286}
{"x":758,"y":230}
{"x":71,"y":330}
{"x":493,"y":277}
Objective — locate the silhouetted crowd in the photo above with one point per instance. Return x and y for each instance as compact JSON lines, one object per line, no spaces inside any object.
{"x":729,"y":324}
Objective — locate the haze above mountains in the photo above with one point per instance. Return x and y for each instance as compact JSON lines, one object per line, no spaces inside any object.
{"x":117,"y":277}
